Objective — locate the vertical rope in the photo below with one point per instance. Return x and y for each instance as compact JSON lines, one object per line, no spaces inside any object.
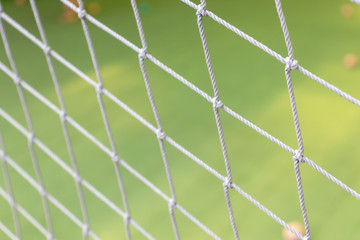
{"x":10,"y":191}
{"x":31,"y":136}
{"x":99,"y":91}
{"x":291,"y":64}
{"x":160,"y":133}
{"x":301,"y":198}
{"x":77,"y":179}
{"x":201,"y":12}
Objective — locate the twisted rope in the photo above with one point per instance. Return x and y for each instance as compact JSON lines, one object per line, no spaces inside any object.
{"x":201,"y":12}
{"x":292,"y":64}
{"x":160,"y":133}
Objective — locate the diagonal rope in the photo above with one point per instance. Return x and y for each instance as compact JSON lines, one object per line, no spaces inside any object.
{"x":51,"y":198}
{"x":183,"y":80}
{"x":291,"y":64}
{"x":121,"y":104}
{"x":25,"y":214}
{"x":72,"y":173}
{"x":176,"y":145}
{"x":270,"y":52}
{"x":86,"y":78}
{"x":131,"y":170}
{"x":160,"y":132}
{"x":201,"y":12}
{"x":99,"y":92}
{"x":7,"y":231}
{"x":31,"y":136}
{"x":47,"y":50}
{"x":9,"y":188}
{"x":130,"y":111}
{"x":147,"y":124}
{"x":103,"y":91}
{"x":63,"y":165}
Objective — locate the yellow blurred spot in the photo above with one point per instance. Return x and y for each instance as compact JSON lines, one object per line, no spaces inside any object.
{"x":20,"y":2}
{"x":287,"y":235}
{"x":93,"y":8}
{"x":350,"y":61}
{"x":347,"y":11}
{"x":68,"y":15}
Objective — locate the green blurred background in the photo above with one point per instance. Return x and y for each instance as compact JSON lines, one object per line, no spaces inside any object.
{"x":250,"y":82}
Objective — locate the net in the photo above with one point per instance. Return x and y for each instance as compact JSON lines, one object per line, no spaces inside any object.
{"x":51,"y":55}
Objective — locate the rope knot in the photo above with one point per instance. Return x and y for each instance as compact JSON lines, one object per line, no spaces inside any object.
{"x":160,"y":134}
{"x":172,"y":204}
{"x":50,"y":237}
{"x":201,"y":11}
{"x":82,"y":13}
{"x":46,"y":49}
{"x":86,"y":229}
{"x":43,"y":192}
{"x":298,"y":156}
{"x":31,"y":138}
{"x":63,"y":115}
{"x":227,"y":183}
{"x":142,"y":54}
{"x":99,"y":88}
{"x":127,"y":218}
{"x":77,"y":178}
{"x":217,"y":103}
{"x":17,"y":80}
{"x":12,"y":202}
{"x":115,"y":158}
{"x":291,"y":63}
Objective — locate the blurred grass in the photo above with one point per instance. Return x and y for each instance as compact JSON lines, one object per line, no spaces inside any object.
{"x":250,"y":82}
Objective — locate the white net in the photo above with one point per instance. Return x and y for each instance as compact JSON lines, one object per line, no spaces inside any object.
{"x":118,"y":163}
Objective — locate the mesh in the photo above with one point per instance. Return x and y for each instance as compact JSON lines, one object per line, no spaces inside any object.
{"x":298,"y":157}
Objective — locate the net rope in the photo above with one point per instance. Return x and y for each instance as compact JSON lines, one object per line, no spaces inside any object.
{"x":50,"y":54}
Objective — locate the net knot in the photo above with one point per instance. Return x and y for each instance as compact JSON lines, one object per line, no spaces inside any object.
{"x":12,"y":202}
{"x":17,"y":80}
{"x":142,"y":54}
{"x":217,"y":103}
{"x":298,"y":156}
{"x":31,"y":137}
{"x":291,"y":63}
{"x":160,"y":134}
{"x":115,"y":158}
{"x":50,"y":236}
{"x":46,"y":49}
{"x":63,"y":115}
{"x":82,"y":13}
{"x":172,"y":204}
{"x":227,"y":183}
{"x":86,"y":229}
{"x":43,"y":192}
{"x":77,"y":178}
{"x":127,"y":218}
{"x":99,"y":88}
{"x":201,"y":11}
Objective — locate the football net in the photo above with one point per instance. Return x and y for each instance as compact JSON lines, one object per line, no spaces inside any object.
{"x":144,"y":54}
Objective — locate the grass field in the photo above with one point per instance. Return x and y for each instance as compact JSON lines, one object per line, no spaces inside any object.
{"x":250,"y":82}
